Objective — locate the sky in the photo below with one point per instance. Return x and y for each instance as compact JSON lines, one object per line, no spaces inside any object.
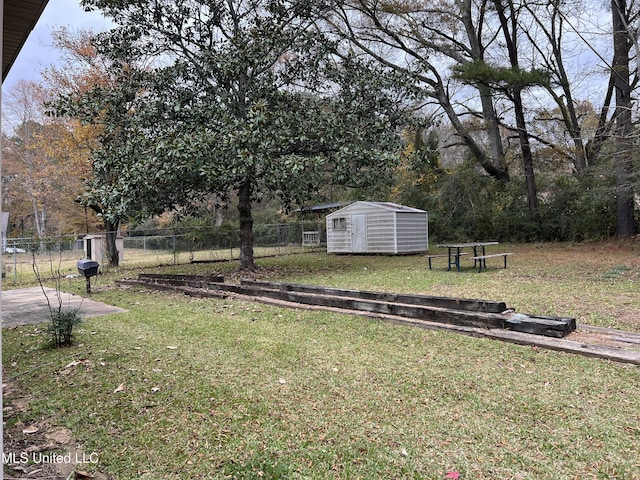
{"x":38,"y":52}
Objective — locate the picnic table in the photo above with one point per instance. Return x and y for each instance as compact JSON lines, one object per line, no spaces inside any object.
{"x":479,"y":253}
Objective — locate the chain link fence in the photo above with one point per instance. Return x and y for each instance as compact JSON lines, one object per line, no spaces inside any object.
{"x":168,"y":246}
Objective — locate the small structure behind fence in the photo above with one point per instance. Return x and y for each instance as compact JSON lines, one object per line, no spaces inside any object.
{"x":158,"y":247}
{"x":95,"y":247}
{"x":311,"y":238}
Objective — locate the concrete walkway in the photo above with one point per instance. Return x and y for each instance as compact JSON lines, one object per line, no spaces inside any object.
{"x":29,"y":305}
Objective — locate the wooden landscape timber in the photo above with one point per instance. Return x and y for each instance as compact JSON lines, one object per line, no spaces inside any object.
{"x":614,"y":345}
{"x":414,"y":299}
{"x":161,"y":277}
{"x":434,"y":314}
{"x":195,"y":285}
{"x":454,"y":311}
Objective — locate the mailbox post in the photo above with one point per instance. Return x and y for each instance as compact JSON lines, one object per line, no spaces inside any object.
{"x":88,"y":269}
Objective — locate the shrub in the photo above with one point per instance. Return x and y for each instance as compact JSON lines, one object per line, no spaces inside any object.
{"x":62,"y":319}
{"x":61,"y":327}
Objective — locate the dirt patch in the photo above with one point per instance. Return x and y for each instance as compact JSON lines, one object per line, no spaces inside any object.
{"x":40,"y":450}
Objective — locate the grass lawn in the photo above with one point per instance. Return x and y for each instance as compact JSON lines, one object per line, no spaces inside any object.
{"x":204,"y":388}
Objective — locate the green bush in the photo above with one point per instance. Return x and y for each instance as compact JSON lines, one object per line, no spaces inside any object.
{"x":469,"y":206}
{"x":580,"y":207}
{"x":61,"y":326}
{"x":463,"y":205}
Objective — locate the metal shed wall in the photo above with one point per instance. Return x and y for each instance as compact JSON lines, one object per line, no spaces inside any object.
{"x":412,"y":232}
{"x":390,"y":229}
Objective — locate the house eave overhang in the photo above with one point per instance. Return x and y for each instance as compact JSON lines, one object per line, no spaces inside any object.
{"x":19,"y":17}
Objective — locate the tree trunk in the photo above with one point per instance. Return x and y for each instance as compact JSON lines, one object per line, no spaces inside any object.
{"x":110,"y":240}
{"x":509,"y":25}
{"x":496,"y":169}
{"x":37,"y":219}
{"x":527,"y":158}
{"x":603,"y":131}
{"x":246,"y":227}
{"x":625,"y":223}
{"x":498,"y":164}
{"x":494,"y":164}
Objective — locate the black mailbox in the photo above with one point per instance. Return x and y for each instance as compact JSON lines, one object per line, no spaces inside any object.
{"x":88,"y":268}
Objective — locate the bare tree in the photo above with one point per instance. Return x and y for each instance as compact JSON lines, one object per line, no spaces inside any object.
{"x":623,"y":41}
{"x":508,"y":16}
{"x":424,"y":40}
{"x":27,"y":162}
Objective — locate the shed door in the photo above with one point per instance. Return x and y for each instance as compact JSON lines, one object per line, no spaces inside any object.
{"x":359,"y":233}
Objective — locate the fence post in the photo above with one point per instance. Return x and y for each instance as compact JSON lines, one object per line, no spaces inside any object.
{"x":175,"y":255}
{"x":15,"y":267}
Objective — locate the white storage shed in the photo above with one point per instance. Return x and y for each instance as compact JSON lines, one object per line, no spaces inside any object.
{"x":377,"y":227}
{"x":95,"y":247}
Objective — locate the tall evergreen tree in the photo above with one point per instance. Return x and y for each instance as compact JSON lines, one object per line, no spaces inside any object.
{"x":253,"y":99}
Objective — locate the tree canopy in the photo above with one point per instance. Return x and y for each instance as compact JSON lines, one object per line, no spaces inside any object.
{"x":286,"y":100}
{"x":244,"y":97}
{"x":500,"y":62}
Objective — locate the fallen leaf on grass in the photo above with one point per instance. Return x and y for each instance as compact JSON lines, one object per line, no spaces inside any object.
{"x":282,"y":381}
{"x":67,"y":368}
{"x":80,"y":474}
{"x":453,"y":475}
{"x":30,"y":430}
{"x":155,"y":389}
{"x":172,"y":347}
{"x":119,"y":389}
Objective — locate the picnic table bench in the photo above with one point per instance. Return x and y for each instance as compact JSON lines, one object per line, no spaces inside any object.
{"x":479,"y":257}
{"x":482,"y":259}
{"x":445,"y":255}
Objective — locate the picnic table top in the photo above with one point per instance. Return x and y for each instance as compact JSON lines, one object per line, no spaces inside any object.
{"x":466,"y":244}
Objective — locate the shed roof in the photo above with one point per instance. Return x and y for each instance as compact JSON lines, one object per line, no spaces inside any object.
{"x":18,"y":19}
{"x":389,"y":206}
{"x":322,"y":208}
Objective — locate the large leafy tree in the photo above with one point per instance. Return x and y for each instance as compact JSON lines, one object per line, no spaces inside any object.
{"x":512,"y":81}
{"x":99,"y":94}
{"x":423,"y":40}
{"x":250,"y":98}
{"x":28,"y":189}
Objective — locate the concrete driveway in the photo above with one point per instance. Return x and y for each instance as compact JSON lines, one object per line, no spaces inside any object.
{"x":29,"y":305}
